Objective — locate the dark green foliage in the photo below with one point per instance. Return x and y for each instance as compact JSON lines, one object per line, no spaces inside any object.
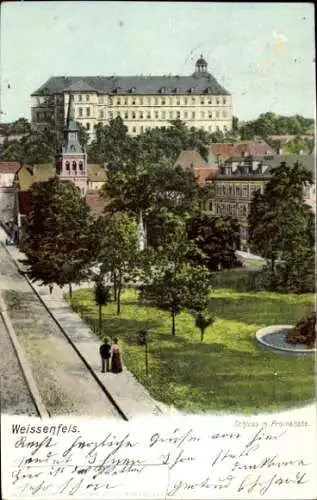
{"x":271,"y":124}
{"x":102,"y":297}
{"x":281,"y":229}
{"x":58,"y":240}
{"x":217,"y":238}
{"x":304,"y":331}
{"x":172,"y":279}
{"x":118,"y":249}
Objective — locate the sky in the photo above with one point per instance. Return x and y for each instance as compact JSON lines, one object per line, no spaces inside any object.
{"x":262,"y":53}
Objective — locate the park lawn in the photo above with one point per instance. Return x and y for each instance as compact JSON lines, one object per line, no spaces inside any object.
{"x":229,"y":371}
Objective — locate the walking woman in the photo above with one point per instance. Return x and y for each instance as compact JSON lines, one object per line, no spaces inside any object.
{"x":116,"y":365}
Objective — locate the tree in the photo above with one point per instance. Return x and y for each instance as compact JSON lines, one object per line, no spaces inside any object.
{"x":102,"y":297}
{"x":218,"y":238}
{"x":58,"y":240}
{"x":173,"y":281}
{"x":118,"y":250}
{"x":202,"y":322}
{"x":112,"y":144}
{"x":31,"y":149}
{"x":20,"y":126}
{"x":281,"y":225}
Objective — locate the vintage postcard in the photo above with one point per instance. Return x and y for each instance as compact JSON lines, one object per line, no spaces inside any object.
{"x":157,"y":270}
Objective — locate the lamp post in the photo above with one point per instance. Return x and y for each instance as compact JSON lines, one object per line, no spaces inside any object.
{"x":144,"y":341}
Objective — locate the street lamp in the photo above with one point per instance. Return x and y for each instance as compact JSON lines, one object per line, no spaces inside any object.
{"x":143,"y":340}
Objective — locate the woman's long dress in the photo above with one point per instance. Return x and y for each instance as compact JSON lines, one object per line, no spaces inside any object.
{"x":116,"y":366}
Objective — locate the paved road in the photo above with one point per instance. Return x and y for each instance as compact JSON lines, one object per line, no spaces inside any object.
{"x":15,"y":396}
{"x":64,"y":383}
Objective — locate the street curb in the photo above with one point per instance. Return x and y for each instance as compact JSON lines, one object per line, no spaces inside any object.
{"x":26,"y":370}
{"x":90,"y":369}
{"x":83,"y":359}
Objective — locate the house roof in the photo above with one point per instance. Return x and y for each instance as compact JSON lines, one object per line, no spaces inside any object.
{"x":190,"y":159}
{"x":252,"y":148}
{"x":95,"y":202}
{"x":308,"y":161}
{"x":205,"y":173}
{"x":96,"y":172}
{"x":9,"y":167}
{"x":198,"y":83}
{"x":28,"y":175}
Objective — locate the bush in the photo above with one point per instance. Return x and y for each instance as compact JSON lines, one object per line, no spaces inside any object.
{"x":304,"y":332}
{"x":287,"y":279}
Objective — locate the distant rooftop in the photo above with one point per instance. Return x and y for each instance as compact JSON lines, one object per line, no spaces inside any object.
{"x":200,"y":82}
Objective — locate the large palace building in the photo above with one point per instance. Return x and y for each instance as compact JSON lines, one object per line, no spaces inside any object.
{"x":143,"y":102}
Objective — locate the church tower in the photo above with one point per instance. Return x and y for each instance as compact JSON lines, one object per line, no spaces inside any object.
{"x":71,"y":163}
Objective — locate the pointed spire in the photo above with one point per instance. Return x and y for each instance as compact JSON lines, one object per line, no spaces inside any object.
{"x":71,"y":142}
{"x":71,"y":122}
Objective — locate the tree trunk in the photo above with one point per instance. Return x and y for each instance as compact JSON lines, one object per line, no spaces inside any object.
{"x":100,"y":319}
{"x":70,"y":290}
{"x":202,"y":333}
{"x":173,"y":324}
{"x":272,"y":265}
{"x":114,"y":279}
{"x":118,"y":300}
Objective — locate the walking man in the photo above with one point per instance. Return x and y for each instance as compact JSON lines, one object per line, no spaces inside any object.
{"x":105,"y":354}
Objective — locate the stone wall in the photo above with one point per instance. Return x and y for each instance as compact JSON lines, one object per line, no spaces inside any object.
{"x":6,"y":204}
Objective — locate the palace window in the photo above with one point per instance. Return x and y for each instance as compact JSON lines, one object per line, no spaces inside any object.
{"x":193,"y":100}
{"x":202,"y":114}
{"x":141,"y":101}
{"x":132,"y":90}
{"x":133,"y":101}
{"x":67,"y":166}
{"x":133,"y":115}
{"x":163,"y":101}
{"x":156,"y":101}
{"x":148,"y":115}
{"x":118,"y":102}
{"x":110,"y":115}
{"x":81,"y":166}
{"x":170,"y":100}
{"x":74,"y":165}
{"x":80,"y":112}
{"x":210,"y":114}
{"x":141,"y":115}
{"x":185,"y":100}
{"x":171,"y":115}
{"x":80,"y":97}
{"x":125,"y":100}
{"x":118,"y":114}
{"x":224,"y":101}
{"x":88,"y":126}
{"x":148,"y":100}
{"x":245,"y":191}
{"x":185,"y":114}
{"x":217,"y":114}
{"x":217,"y":101}
{"x":126,"y":115}
{"x":178,"y":102}
{"x":178,"y":115}
{"x":224,"y":114}
{"x":162,"y":90}
{"x":87,"y":98}
{"x":209,"y":100}
{"x":193,"y":115}
{"x":202,"y":100}
{"x":163,"y":114}
{"x":134,"y":130}
{"x":88,"y":112}
{"x":141,"y":129}
{"x":156,"y":115}
{"x":210,"y":206}
{"x":110,"y":101}
{"x":100,"y":113}
{"x":238,"y":191}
